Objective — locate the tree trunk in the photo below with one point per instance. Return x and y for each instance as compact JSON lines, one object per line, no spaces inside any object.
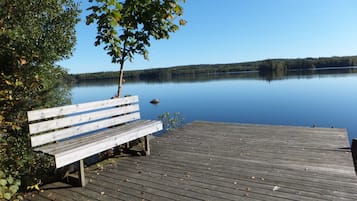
{"x":121,"y":74}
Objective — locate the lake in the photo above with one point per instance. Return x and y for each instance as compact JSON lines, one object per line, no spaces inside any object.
{"x":325,"y":98}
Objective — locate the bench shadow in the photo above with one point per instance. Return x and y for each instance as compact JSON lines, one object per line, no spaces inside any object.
{"x":67,"y":177}
{"x":58,"y":187}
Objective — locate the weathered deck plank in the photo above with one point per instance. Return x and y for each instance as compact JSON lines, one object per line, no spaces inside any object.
{"x":226,"y":161}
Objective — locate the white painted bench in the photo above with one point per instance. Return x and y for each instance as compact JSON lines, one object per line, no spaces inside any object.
{"x":74,"y":132}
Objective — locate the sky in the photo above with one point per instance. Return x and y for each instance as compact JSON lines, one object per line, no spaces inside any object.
{"x":233,"y":31}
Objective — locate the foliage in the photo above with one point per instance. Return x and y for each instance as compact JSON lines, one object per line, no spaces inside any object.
{"x":126,"y":27}
{"x":171,"y":121}
{"x":30,"y":88}
{"x":9,"y":187}
{"x":34,"y":34}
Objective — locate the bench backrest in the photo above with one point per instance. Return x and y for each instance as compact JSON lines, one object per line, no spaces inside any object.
{"x":53,"y":124}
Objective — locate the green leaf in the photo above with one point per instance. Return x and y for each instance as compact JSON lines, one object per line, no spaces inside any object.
{"x":10,"y":180}
{"x":118,"y":6}
{"x":18,"y":83}
{"x":17,"y":182}
{"x":116,"y":15}
{"x":13,"y":189}
{"x":20,"y":197}
{"x":178,"y":9}
{"x":7,"y":196}
{"x":113,"y":23}
{"x":8,"y":82}
{"x":3,"y":182}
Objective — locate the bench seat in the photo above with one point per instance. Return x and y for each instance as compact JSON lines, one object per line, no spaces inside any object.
{"x":75,"y":149}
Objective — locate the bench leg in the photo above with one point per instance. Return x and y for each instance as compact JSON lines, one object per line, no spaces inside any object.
{"x":81,"y":177}
{"x":147,"y":145}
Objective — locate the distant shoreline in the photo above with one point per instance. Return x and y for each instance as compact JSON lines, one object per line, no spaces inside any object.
{"x":270,"y":66}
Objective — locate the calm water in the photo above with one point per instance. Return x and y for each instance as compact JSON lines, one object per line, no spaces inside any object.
{"x":324,"y":100}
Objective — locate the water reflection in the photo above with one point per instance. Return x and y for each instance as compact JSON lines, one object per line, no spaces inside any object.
{"x":250,"y":75}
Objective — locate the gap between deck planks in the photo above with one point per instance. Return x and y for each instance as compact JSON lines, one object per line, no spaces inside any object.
{"x":226,"y":161}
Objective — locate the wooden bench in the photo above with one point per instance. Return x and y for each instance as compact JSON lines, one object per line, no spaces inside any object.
{"x":74,"y":132}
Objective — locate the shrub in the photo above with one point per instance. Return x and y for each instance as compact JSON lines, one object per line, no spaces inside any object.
{"x":34,"y":36}
{"x":171,"y":121}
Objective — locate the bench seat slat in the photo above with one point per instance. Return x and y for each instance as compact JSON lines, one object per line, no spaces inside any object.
{"x":102,"y":141}
{"x":82,"y":140}
{"x":82,"y":118}
{"x":80,"y":129}
{"x":70,"y":109}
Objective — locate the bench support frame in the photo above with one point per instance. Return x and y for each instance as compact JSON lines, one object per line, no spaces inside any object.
{"x":81,"y":177}
{"x":147,"y":145}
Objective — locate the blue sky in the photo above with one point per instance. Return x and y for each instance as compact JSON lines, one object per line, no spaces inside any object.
{"x":231,"y":31}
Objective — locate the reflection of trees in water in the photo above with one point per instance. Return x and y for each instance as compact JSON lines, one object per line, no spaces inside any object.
{"x":277,"y":74}
{"x":269,"y":70}
{"x":98,"y":82}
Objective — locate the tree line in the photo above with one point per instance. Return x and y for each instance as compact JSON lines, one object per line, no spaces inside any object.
{"x":277,"y":67}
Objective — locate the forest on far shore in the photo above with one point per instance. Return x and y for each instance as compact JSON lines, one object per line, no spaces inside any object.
{"x":273,"y":67}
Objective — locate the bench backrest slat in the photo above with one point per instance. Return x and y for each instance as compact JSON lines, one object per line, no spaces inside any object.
{"x":59,"y":123}
{"x":81,"y":129}
{"x":70,"y":109}
{"x":78,"y":119}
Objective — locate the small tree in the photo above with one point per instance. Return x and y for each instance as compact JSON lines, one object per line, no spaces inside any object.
{"x":126,"y":27}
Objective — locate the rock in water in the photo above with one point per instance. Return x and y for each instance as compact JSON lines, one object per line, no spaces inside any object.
{"x":155,"y":101}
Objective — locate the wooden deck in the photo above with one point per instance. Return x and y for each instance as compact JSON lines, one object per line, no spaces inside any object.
{"x":226,"y":161}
